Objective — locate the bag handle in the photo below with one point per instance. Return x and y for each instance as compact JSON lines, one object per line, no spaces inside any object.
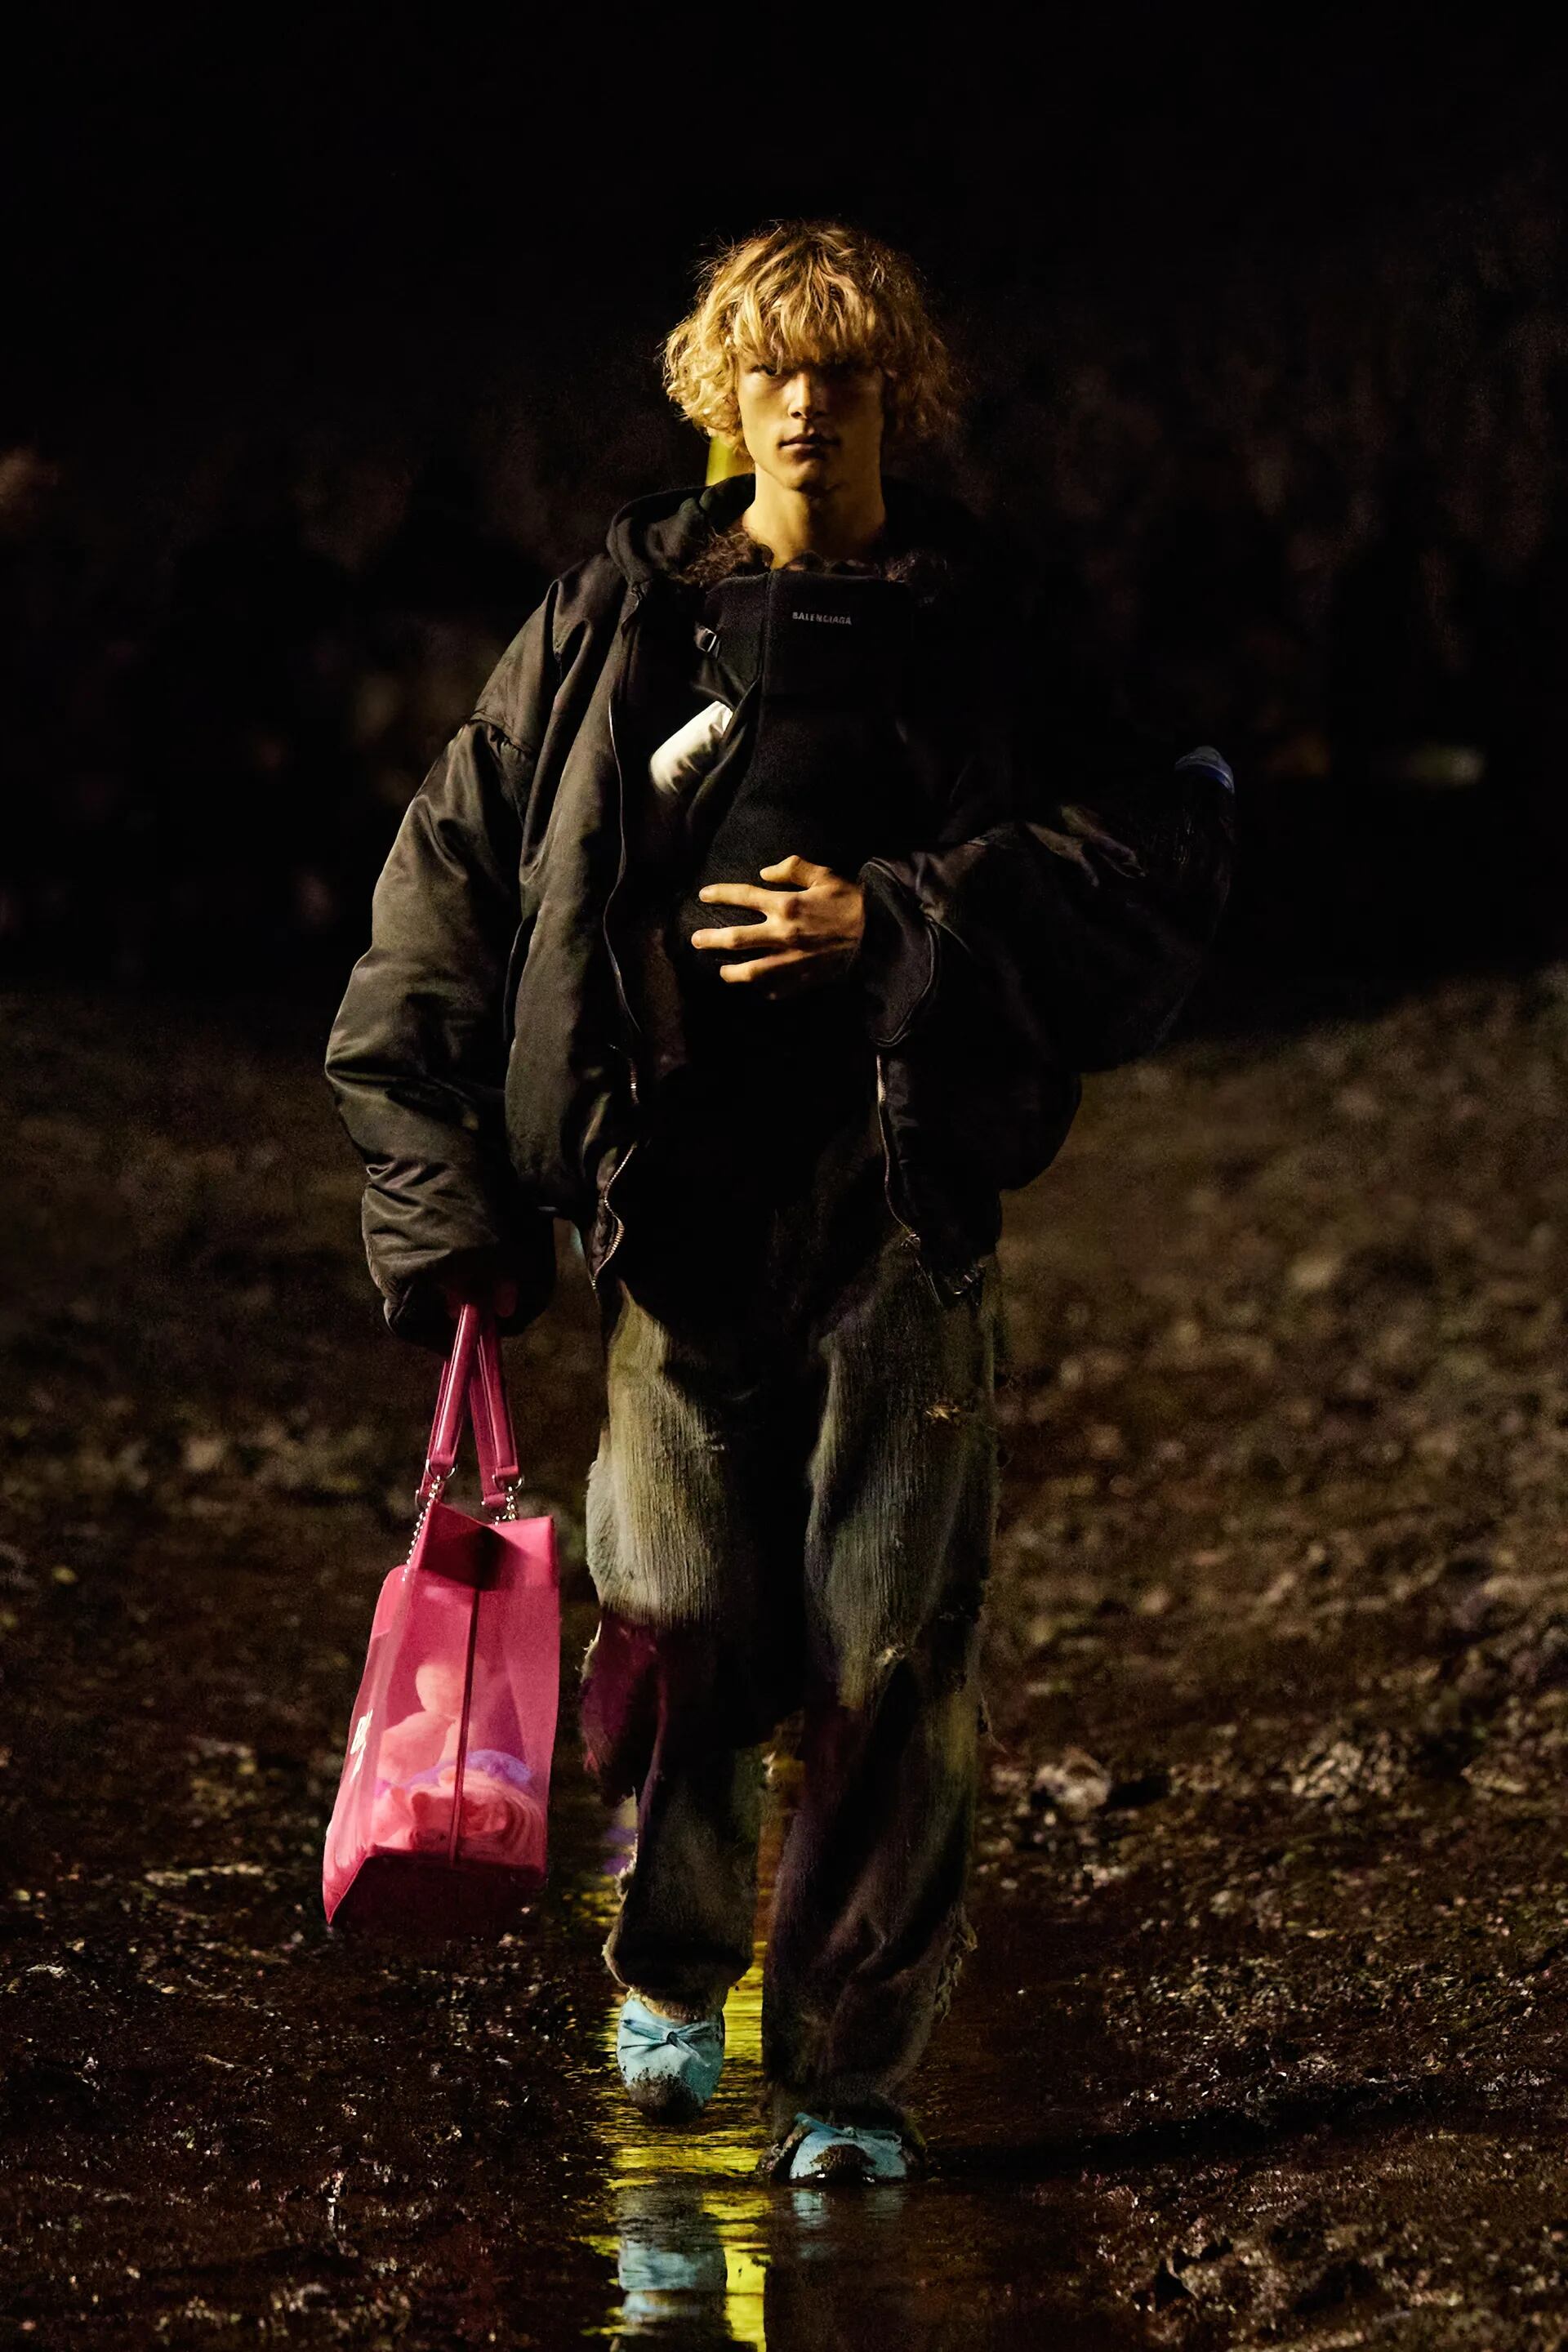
{"x":472,"y":1381}
{"x":441,"y":1457}
{"x":495,"y":1442}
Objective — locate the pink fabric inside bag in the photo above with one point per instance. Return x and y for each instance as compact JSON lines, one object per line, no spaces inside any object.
{"x":440,"y":1823}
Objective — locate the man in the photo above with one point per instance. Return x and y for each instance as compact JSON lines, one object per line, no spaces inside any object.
{"x":759,"y":922}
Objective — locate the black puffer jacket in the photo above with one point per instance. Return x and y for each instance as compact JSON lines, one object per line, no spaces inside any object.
{"x":494,"y":1053}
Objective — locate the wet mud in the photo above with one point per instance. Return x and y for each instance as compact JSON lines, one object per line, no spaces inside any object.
{"x":1262,"y":2040}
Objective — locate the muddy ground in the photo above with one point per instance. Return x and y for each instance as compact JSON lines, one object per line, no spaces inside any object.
{"x":1263,"y":2042}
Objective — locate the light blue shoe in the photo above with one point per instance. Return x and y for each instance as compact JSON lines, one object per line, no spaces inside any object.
{"x":814,"y":2150}
{"x":670,"y":2070}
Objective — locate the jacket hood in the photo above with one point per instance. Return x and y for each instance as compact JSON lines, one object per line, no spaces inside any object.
{"x":662,"y":532}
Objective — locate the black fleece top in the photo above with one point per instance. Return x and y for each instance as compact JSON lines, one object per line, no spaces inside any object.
{"x":814,"y":659}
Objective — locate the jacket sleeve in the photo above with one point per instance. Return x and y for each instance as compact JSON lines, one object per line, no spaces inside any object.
{"x":1078,"y":881}
{"x":417,"y":1058}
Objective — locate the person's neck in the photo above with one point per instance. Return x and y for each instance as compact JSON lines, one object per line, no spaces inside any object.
{"x":837,"y":526}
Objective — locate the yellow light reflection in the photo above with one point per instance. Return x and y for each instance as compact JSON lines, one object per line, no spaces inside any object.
{"x":680,"y":2208}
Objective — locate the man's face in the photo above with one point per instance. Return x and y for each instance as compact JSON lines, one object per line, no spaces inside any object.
{"x":812,"y":426}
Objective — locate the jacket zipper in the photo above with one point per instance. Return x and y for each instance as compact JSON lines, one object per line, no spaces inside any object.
{"x":632,"y":1025}
{"x":948,"y":1286}
{"x":888,"y":1153}
{"x":605,"y":1203}
{"x":630,"y":1017}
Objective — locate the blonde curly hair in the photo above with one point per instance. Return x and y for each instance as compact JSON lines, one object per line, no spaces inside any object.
{"x":812,"y":290}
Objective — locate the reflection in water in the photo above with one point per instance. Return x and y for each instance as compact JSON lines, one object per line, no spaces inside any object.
{"x":689,"y":2243}
{"x":674,"y":2268}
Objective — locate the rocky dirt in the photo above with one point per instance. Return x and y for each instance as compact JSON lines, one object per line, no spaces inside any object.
{"x":1262,"y":2043}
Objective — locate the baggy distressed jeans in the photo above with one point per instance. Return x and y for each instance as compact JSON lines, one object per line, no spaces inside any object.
{"x":793,"y":1505}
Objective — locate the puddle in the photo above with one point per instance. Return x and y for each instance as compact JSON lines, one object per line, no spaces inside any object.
{"x":705,"y":2252}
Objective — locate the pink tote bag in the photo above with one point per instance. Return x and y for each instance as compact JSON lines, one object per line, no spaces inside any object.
{"x":439,"y":1827}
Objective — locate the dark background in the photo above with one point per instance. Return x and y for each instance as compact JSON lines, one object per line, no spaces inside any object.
{"x":327,"y":341}
{"x":338,"y":336}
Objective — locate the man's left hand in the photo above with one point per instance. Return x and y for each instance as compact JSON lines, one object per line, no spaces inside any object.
{"x":813,"y":923}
